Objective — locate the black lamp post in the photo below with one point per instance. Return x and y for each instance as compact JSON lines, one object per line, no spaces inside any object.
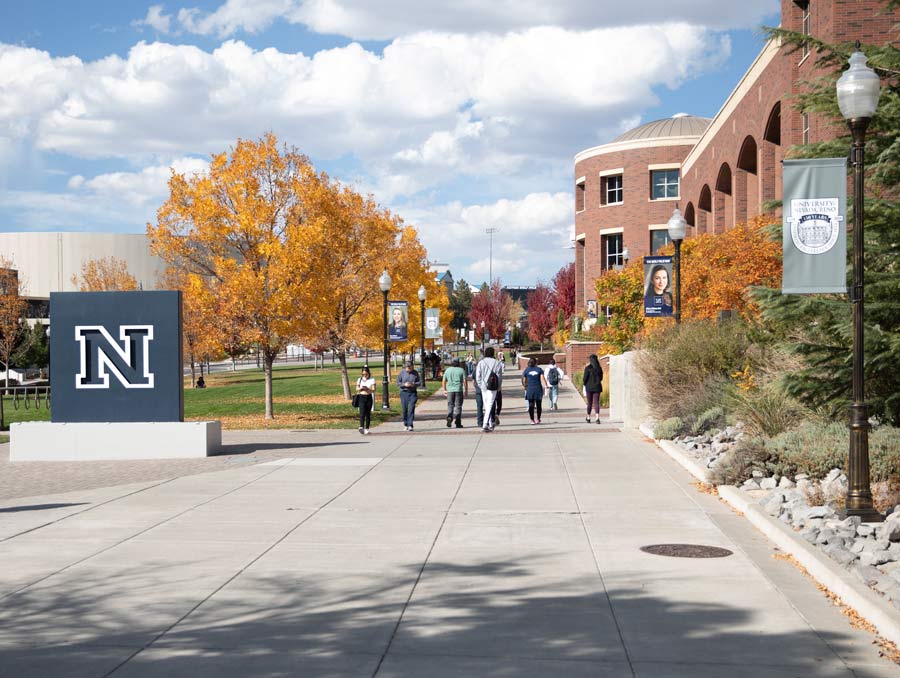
{"x":857,"y":94}
{"x":384,"y":282}
{"x":677,"y":229}
{"x":423,"y":294}
{"x":482,"y":338}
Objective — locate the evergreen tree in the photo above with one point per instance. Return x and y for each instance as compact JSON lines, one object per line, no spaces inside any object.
{"x":460,"y":303}
{"x":818,"y":328}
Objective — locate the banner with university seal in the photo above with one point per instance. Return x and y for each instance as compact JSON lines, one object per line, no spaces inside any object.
{"x":815,"y":226}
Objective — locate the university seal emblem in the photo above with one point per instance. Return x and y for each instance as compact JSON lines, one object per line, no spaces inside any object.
{"x":815,"y":224}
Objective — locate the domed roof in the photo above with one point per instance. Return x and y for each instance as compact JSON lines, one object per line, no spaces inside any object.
{"x":679,"y":125}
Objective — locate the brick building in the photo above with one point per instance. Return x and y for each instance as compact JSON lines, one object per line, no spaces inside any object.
{"x":719,"y":172}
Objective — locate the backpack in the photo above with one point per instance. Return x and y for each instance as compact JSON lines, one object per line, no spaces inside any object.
{"x":493,"y":382}
{"x":553,"y":376}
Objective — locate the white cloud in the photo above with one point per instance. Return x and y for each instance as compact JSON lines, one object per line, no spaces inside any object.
{"x":146,"y":187}
{"x":431,"y":107}
{"x":532,"y":241}
{"x":367,"y":20}
{"x":156,"y":20}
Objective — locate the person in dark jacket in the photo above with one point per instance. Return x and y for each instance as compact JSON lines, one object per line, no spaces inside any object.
{"x":534,"y":382}
{"x":593,"y":385}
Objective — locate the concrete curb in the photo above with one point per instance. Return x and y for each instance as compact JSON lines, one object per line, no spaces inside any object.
{"x":833,"y":577}
{"x":674,"y":451}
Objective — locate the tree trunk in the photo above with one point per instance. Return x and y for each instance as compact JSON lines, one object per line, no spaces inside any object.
{"x":267,"y":367}
{"x":193,"y":373}
{"x":233,"y":365}
{"x":345,"y":378}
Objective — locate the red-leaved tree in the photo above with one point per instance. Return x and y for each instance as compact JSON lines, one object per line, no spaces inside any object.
{"x":564,"y":290}
{"x":541,"y":313}
{"x":493,"y":306}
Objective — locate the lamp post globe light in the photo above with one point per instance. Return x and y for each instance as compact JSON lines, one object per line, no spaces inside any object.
{"x":423,"y":294}
{"x":482,"y":338}
{"x":677,"y":229}
{"x":857,"y":93}
{"x":384,"y":282}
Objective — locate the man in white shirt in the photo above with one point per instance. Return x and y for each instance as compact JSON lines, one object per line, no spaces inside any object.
{"x":486,"y":367}
{"x":553,"y":374}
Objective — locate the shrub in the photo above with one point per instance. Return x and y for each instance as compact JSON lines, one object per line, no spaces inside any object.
{"x":668,"y":429}
{"x":738,"y":464}
{"x":712,"y":418}
{"x":686,"y":369}
{"x":766,"y":411}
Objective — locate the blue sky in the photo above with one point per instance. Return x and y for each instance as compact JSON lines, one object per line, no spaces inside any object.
{"x":458,"y":115}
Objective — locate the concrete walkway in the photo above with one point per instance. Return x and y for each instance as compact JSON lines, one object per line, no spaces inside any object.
{"x":438,"y":553}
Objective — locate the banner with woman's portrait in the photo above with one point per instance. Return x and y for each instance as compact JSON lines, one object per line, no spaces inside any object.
{"x":658,"y":284}
{"x":398,"y":316}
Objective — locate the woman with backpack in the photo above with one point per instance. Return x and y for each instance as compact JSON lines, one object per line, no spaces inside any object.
{"x":534,"y":383}
{"x":554,"y":375}
{"x":593,"y":385}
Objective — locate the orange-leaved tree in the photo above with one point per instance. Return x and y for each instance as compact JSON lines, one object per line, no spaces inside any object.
{"x":717,"y":270}
{"x":12,"y":312}
{"x":353,"y":240}
{"x":106,"y":274}
{"x":241,"y":226}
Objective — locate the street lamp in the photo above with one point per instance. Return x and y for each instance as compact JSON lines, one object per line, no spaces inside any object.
{"x":423,"y":294}
{"x":482,"y":338}
{"x":384,"y":282}
{"x":857,"y":94}
{"x":677,"y":228}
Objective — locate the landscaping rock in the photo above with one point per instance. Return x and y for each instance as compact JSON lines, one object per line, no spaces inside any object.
{"x":890,"y":530}
{"x":757,"y":474}
{"x":840,"y":554}
{"x":867,"y":574}
{"x":826,"y":536}
{"x":865,"y":529}
{"x":874,"y":557}
{"x":750,"y":484}
{"x":858,"y":546}
{"x":810,"y":534}
{"x":786,"y":483}
{"x":768,"y":483}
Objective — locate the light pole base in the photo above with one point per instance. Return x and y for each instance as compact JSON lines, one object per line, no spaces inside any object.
{"x":868,"y":515}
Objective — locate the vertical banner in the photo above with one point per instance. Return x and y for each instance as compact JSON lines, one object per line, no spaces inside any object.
{"x":433,"y":323}
{"x":592,"y":308}
{"x":815,"y":226}
{"x":398,"y":316}
{"x":658,"y":287}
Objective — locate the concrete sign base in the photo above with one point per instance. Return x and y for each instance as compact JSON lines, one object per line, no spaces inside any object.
{"x":48,"y":441}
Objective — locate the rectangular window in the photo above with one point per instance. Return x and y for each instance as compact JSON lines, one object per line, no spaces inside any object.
{"x":579,"y":196}
{"x":663,"y":184}
{"x":611,"y":190}
{"x":804,"y":27}
{"x":805,"y":124}
{"x":658,"y":239}
{"x":613,"y":251}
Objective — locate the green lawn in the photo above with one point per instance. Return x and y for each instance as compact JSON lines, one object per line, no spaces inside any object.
{"x":304,"y":398}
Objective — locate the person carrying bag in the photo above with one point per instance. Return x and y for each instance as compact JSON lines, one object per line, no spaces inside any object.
{"x":365,"y":400}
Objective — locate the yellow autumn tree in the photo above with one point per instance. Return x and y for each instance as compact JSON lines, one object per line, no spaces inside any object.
{"x":106,"y":274}
{"x":240,"y":225}
{"x":352,"y":240}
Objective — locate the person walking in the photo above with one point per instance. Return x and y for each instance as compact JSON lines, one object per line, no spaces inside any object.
{"x":534,"y":382}
{"x":488,"y":376}
{"x":479,"y":401}
{"x":409,"y":381}
{"x":553,"y":375}
{"x":365,"y":391}
{"x":593,"y":385}
{"x":456,"y":388}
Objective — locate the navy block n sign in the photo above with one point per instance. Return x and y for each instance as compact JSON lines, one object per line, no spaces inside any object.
{"x":116,"y":356}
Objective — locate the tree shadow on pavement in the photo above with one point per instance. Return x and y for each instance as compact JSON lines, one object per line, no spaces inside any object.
{"x":491,"y":619}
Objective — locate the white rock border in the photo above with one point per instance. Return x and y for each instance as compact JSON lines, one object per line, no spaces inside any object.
{"x":829,"y":574}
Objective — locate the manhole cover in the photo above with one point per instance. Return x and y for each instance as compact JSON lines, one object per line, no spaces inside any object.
{"x":686,"y":551}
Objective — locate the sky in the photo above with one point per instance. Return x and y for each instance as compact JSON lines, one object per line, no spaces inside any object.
{"x":458,"y":116}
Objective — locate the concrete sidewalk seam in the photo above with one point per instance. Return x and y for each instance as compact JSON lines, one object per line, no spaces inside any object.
{"x":837,"y":581}
{"x":253,"y":560}
{"x":597,"y":566}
